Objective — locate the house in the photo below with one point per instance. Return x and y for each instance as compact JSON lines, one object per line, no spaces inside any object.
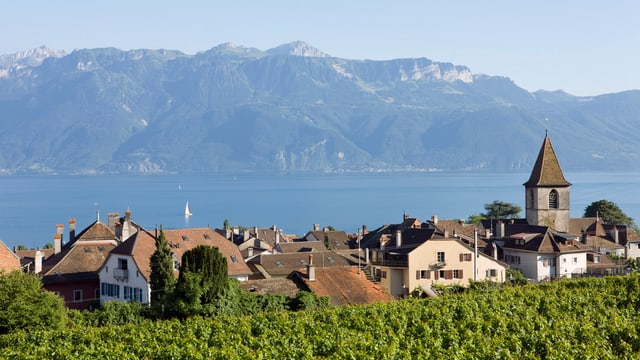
{"x":72,"y":270}
{"x":541,"y":254}
{"x":29,"y":258}
{"x":278,"y":265}
{"x":126,"y":275}
{"x":8,"y":260}
{"x":256,"y":240}
{"x":437,"y":259}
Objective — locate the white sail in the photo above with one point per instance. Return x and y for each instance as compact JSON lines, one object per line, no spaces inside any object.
{"x":187,"y":210}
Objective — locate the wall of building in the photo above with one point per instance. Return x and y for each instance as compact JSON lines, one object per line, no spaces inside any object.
{"x":133,"y":287}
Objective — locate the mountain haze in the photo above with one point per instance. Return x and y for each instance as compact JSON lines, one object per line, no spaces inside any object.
{"x":290,"y":109}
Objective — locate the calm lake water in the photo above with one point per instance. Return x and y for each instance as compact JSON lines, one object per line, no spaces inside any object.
{"x":30,"y":207}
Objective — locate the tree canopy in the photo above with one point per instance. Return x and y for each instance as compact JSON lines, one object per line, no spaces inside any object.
{"x":24,"y":304}
{"x":501,"y":210}
{"x":609,"y":212}
{"x":162,"y":277}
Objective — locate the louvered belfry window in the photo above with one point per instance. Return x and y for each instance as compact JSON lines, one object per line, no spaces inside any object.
{"x":553,"y":199}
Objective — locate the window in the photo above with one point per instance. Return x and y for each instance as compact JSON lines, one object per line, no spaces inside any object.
{"x":96,"y":294}
{"x":442,"y":274}
{"x":423,"y":274}
{"x":575,"y":260}
{"x":127,"y":292}
{"x":234,"y":259}
{"x":77,"y":295}
{"x":112,"y":290}
{"x":383,"y":274}
{"x":440,"y":256}
{"x":553,"y":199}
{"x":596,"y":259}
{"x":492,"y":273}
{"x":512,"y":259}
{"x":457,"y":274}
{"x":122,"y":264}
{"x":466,"y":257}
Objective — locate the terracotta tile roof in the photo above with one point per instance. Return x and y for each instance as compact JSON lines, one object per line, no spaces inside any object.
{"x":278,"y":265}
{"x":140,"y":246}
{"x":344,"y":286}
{"x":96,"y":231}
{"x":81,"y":257}
{"x":8,"y":260}
{"x":31,"y":253}
{"x":302,"y":246}
{"x":542,"y":242}
{"x":547,"y":171}
{"x":181,"y":240}
{"x":275,"y":286}
{"x":337,"y":239}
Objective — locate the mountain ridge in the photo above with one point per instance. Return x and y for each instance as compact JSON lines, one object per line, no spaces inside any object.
{"x":291,"y":109}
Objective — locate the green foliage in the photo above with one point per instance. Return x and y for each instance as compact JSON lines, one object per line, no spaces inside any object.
{"x":162,"y":279}
{"x":22,"y":247}
{"x":226,"y":225}
{"x":24,"y":304}
{"x":327,"y":243}
{"x":48,"y":245}
{"x":609,"y":212}
{"x":596,"y":318}
{"x":499,"y":210}
{"x":308,"y":300}
{"x":202,"y":281}
{"x":475,"y":218}
{"x":515,"y":277}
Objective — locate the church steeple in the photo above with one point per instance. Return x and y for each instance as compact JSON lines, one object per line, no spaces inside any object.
{"x":547,"y":191}
{"x":547,"y":171}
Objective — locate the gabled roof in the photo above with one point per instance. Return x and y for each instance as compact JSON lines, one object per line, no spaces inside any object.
{"x":81,"y":257}
{"x":8,"y":260}
{"x":284,"y":264}
{"x":96,"y":231}
{"x":181,"y":240}
{"x":344,"y":286}
{"x":547,"y":171}
{"x":302,"y":246}
{"x":543,"y":242}
{"x":140,"y":246}
{"x":337,"y":239}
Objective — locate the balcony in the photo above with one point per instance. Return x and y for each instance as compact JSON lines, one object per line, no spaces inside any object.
{"x":121,"y":274}
{"x":439,"y":265}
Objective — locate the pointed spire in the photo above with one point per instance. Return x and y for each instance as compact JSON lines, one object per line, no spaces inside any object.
{"x":547,"y":171}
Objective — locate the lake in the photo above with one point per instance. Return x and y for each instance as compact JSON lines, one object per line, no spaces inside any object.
{"x":30,"y":207}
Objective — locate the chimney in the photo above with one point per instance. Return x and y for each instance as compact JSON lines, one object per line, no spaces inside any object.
{"x":494,"y":250}
{"x":113,"y":219}
{"x":398,"y":238}
{"x":249,"y":251}
{"x":57,"y":243}
{"x":38,"y":262}
{"x":127,"y":229}
{"x":246,"y":235}
{"x":228,"y":234}
{"x":277,"y":237}
{"x":616,"y":235}
{"x":72,"y":229}
{"x":364,"y":230}
{"x":236,"y":230}
{"x":274,"y":228}
{"x":434,"y":219}
{"x":255,"y":231}
{"x":316,"y":227}
{"x":446,"y":234}
{"x":311,"y":270}
{"x":500,"y":230}
{"x":405,"y":216}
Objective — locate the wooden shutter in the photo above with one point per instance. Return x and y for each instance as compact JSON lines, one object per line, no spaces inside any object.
{"x":461,"y":257}
{"x":461,"y":274}
{"x":417,"y":274}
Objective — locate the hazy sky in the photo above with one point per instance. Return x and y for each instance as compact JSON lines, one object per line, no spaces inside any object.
{"x":583,"y":47}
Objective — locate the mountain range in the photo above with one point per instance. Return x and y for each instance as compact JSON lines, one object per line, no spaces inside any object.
{"x":291,"y":109}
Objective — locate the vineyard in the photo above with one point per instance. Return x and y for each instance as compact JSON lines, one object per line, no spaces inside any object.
{"x":572,"y":319}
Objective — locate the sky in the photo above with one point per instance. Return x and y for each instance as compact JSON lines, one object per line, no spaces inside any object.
{"x":582,"y":47}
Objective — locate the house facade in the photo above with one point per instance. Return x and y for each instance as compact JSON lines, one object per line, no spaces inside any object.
{"x":445,"y":261}
{"x":8,"y":260}
{"x":126,"y":275}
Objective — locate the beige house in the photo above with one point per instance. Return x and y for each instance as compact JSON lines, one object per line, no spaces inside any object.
{"x":440,"y":260}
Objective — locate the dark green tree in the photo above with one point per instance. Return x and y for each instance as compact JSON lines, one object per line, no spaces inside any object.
{"x":162,"y":278}
{"x":226,"y":225}
{"x":25,"y":305}
{"x":499,"y":210}
{"x":475,"y":218}
{"x":609,"y":212}
{"x":48,"y":246}
{"x":203,"y":280}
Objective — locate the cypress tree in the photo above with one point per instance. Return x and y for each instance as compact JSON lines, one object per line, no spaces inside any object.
{"x":162,"y":277}
{"x":203,"y":276}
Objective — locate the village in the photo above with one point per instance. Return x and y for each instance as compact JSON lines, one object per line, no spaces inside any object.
{"x":110,"y":260}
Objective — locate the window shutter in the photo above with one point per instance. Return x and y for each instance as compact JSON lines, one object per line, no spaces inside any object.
{"x":448,"y":274}
{"x":461,"y":257}
{"x":428,"y":274}
{"x":436,"y":274}
{"x":417,"y":274}
{"x":460,"y":274}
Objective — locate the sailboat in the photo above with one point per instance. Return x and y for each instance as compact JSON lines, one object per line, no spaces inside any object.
{"x":187,"y":210}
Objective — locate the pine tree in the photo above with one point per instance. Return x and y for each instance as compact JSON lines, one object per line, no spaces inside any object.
{"x":162,"y":277}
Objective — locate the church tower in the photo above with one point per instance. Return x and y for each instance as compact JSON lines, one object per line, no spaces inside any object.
{"x":547,"y":191}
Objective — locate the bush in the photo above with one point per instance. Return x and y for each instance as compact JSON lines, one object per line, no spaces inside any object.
{"x":24,"y":304}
